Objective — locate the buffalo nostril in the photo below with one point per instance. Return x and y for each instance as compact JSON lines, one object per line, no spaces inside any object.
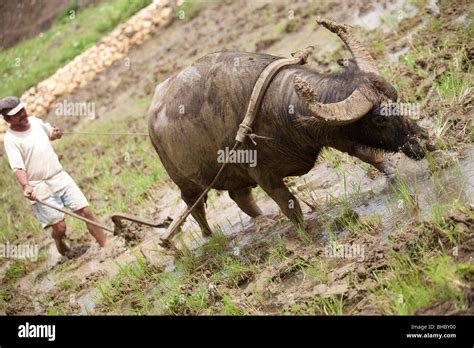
{"x":414,"y":151}
{"x":431,"y":146}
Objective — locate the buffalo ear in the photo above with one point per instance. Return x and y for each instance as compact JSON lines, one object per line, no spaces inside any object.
{"x":344,"y":62}
{"x":348,"y":63}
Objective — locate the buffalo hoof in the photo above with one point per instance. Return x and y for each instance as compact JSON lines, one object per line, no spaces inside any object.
{"x":206,"y":233}
{"x":391,"y":178}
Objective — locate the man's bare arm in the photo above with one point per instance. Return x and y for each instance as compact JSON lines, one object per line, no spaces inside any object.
{"x":56,"y":133}
{"x":22,"y":178}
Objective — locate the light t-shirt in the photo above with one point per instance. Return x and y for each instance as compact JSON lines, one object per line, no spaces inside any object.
{"x":32,"y":151}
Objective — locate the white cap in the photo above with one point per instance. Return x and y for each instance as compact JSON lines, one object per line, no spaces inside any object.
{"x":17,"y":108}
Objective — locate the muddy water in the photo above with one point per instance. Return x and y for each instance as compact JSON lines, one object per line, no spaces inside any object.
{"x":88,"y":301}
{"x":47,"y":282}
{"x":467,"y":170}
{"x":427,"y":191}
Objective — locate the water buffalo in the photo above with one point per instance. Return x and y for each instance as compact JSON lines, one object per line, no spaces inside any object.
{"x":196,"y":113}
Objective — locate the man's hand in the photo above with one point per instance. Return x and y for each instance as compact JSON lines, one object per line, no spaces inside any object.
{"x":56,"y":133}
{"x":28,"y":193}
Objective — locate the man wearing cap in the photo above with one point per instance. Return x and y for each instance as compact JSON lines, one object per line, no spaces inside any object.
{"x":38,"y":170}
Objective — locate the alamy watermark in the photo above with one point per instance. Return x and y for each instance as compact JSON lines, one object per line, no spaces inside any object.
{"x":28,"y":330}
{"x":345,"y":251}
{"x":400,"y":109}
{"x":19,"y":251}
{"x":229,"y":155}
{"x":75,"y":109}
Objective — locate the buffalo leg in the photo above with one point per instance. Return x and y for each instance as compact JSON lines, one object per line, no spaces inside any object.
{"x":375,"y":159}
{"x":198,"y":213}
{"x":287,"y":202}
{"x":369,"y":156}
{"x":245,"y":201}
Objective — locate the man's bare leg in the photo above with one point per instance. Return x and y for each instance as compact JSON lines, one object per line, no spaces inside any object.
{"x":59,"y":231}
{"x":95,"y":231}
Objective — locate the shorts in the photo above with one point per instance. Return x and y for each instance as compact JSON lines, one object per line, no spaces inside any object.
{"x":70,"y":197}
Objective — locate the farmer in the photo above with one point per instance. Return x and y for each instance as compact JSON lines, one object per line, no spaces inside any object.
{"x":38,"y":171}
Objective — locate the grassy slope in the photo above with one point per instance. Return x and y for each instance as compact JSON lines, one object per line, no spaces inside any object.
{"x":25,"y":64}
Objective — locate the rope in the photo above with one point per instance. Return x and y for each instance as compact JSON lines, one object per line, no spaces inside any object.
{"x":173,"y":228}
{"x":90,"y":133}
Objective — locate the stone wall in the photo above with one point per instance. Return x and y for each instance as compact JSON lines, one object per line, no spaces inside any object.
{"x":84,"y":67}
